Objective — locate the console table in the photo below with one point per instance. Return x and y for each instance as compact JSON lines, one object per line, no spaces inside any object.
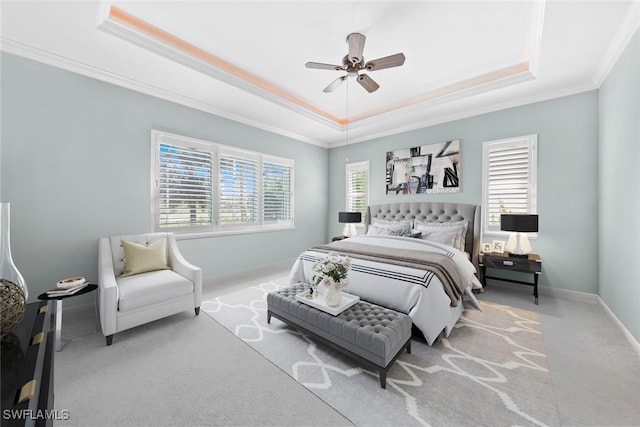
{"x":27,"y":370}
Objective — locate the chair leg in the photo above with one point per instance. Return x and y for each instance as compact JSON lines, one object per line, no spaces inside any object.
{"x":109,"y":339}
{"x":197,"y":309}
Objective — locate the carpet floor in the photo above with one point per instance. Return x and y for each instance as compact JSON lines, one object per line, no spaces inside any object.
{"x":183,"y":370}
{"x":492,"y":370}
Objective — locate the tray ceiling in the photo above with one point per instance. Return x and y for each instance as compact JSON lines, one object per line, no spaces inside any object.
{"x":245,"y":60}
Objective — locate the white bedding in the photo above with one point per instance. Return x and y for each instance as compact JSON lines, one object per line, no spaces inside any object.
{"x":416,"y":292}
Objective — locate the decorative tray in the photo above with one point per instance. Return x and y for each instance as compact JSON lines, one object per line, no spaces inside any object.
{"x":317,"y":301}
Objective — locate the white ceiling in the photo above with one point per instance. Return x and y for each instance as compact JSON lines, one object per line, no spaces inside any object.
{"x":463,"y":58}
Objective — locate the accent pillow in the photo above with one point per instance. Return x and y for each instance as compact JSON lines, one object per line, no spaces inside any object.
{"x":403,"y":225}
{"x":374,"y":230}
{"x":142,"y":259}
{"x":436,"y":228}
{"x":444,"y":236}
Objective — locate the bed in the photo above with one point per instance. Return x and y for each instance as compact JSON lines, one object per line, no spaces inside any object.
{"x":421,"y":272}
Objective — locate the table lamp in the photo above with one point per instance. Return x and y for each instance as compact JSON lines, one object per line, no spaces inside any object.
{"x":349,"y":219}
{"x":519,"y":225}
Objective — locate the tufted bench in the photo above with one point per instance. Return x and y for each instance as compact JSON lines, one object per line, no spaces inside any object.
{"x":372,"y":335}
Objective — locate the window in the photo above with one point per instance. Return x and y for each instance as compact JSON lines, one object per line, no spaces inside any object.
{"x":277,"y":184}
{"x":202,"y":187}
{"x":357,"y":187}
{"x":238,"y":181}
{"x":509,"y":179}
{"x":184,"y":185}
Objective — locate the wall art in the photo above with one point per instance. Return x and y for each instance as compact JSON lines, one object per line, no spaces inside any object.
{"x":431,"y":168}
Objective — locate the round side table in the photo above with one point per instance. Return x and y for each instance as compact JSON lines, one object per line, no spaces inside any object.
{"x":58,"y":311}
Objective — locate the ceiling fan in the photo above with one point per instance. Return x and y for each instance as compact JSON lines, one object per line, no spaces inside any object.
{"x":353,"y":63}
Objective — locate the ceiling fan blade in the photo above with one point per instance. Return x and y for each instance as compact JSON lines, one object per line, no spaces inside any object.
{"x":320,"y":66}
{"x":386,"y":62}
{"x":334,"y":84}
{"x":368,"y":83}
{"x":356,"y":46}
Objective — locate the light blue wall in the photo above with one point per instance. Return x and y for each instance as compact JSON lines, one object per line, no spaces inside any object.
{"x":567,"y":131}
{"x":76,"y":167}
{"x":620,"y":188}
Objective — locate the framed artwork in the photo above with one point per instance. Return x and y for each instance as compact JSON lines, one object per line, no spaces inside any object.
{"x":487,"y":248}
{"x":497,"y":246}
{"x":432,"y":168}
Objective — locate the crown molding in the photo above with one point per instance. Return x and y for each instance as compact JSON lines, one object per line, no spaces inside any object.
{"x":623,"y":36}
{"x":434,"y":120}
{"x":58,"y":61}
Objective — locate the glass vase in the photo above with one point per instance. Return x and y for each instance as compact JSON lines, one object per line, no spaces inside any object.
{"x":8,"y":269}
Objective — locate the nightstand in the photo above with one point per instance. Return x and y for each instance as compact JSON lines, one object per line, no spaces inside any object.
{"x":531,"y":264}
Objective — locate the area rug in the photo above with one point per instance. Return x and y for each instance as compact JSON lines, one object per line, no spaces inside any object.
{"x":491,"y":371}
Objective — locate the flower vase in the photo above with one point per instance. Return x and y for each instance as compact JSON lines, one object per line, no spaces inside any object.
{"x":332,"y":296}
{"x":13,"y":290}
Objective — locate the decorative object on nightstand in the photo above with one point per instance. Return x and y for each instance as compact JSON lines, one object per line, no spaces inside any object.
{"x":349,"y":219}
{"x":519,"y":225}
{"x":528,"y":264}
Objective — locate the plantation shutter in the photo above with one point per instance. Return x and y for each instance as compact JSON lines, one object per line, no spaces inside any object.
{"x":509,"y":179}
{"x":238,"y":188}
{"x":184,"y":187}
{"x":277,"y":192}
{"x":357,"y":181}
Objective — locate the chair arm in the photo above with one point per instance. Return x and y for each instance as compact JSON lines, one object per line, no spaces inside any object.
{"x":185,"y":269}
{"x":107,"y":288}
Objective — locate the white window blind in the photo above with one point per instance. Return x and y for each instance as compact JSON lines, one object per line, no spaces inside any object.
{"x":277,"y":192}
{"x":357,"y":187}
{"x":238,"y":188}
{"x":510,"y":179}
{"x":184,"y":187}
{"x":201,"y":187}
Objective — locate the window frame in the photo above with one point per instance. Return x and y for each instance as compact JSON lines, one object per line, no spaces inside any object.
{"x":216,"y":228}
{"x":351,"y":166}
{"x":531,"y":144}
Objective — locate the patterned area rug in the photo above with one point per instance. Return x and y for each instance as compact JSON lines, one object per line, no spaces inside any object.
{"x":491,"y":371}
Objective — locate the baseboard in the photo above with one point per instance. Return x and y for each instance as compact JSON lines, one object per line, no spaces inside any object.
{"x":568,"y":294}
{"x":250,"y":273}
{"x":632,"y":340}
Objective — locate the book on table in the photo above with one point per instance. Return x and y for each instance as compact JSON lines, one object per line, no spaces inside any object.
{"x":62,"y":292}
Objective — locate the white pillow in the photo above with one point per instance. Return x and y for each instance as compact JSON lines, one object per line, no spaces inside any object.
{"x":441,"y":232}
{"x":447,"y":237}
{"x":374,"y":230}
{"x":403,"y":225}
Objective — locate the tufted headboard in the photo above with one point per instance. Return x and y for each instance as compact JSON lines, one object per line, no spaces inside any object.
{"x":434,"y":211}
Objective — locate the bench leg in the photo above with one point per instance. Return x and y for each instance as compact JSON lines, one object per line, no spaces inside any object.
{"x":268,"y":317}
{"x":409,"y":346}
{"x":383,"y":379}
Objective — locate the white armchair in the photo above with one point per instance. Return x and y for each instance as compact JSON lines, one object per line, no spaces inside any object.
{"x":126,"y":302}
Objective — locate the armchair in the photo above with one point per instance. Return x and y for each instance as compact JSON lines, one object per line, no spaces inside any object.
{"x":129,"y":301}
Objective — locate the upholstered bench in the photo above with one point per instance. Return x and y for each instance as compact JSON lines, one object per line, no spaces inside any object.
{"x":372,"y":335}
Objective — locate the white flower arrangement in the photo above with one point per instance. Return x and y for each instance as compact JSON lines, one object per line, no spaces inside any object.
{"x":332,"y":270}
